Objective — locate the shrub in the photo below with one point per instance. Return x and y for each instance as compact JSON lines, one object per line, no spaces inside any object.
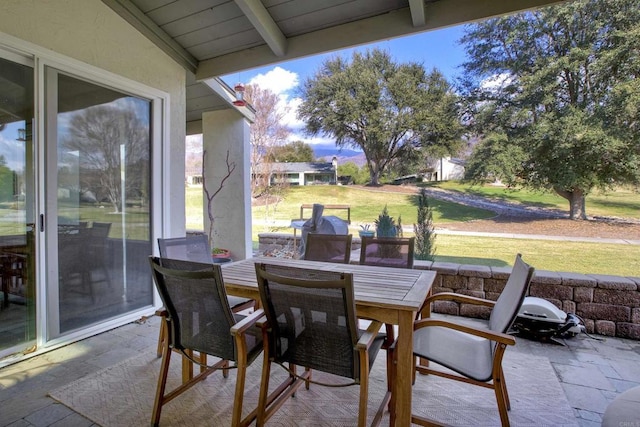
{"x":424,"y":230}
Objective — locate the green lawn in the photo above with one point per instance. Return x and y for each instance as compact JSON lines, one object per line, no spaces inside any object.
{"x":578,"y":257}
{"x":543,"y":254}
{"x":367,"y":204}
{"x":623,"y":203}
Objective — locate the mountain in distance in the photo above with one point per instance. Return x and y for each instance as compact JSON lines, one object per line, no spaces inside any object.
{"x":344,"y":155}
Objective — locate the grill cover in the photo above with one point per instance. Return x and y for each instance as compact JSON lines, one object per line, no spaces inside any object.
{"x":322,"y":225}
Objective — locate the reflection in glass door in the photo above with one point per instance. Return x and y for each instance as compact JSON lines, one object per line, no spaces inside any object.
{"x":101,"y":221}
{"x":17,"y":243}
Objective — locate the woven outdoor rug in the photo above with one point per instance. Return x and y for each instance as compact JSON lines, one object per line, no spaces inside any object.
{"x":122,"y":395}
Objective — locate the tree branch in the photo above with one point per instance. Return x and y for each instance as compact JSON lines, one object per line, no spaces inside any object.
{"x":231,"y":166}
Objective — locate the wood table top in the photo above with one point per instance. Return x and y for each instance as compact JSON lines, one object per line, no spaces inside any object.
{"x":385,"y":287}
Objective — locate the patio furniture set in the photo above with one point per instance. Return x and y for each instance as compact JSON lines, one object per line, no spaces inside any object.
{"x":308,"y":314}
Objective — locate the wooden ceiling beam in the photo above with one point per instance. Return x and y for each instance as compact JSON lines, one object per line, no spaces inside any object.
{"x":440,"y":14}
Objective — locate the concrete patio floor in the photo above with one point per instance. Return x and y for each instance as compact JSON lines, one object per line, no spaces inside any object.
{"x":591,"y":371}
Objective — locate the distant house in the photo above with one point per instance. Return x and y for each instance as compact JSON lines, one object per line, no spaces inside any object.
{"x":298,"y":173}
{"x":193,"y":169}
{"x":194,"y":180}
{"x":445,"y":169}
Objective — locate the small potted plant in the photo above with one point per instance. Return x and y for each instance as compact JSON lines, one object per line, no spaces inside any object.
{"x":386,"y":225}
{"x":365,"y":231}
{"x":220,"y":253}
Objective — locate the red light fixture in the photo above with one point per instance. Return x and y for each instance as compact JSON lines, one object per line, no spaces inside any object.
{"x":239,"y":90}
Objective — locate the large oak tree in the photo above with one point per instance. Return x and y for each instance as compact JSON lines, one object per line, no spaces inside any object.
{"x":387,"y":110}
{"x":554,"y":97}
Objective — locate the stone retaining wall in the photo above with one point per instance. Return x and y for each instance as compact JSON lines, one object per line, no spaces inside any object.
{"x":609,"y":305}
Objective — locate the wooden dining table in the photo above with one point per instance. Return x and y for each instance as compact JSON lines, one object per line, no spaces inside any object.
{"x":389,"y":295}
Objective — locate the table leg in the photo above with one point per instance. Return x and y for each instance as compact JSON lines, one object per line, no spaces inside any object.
{"x":404,"y":368}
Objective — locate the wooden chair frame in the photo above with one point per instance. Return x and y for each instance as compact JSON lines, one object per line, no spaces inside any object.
{"x":502,"y":340}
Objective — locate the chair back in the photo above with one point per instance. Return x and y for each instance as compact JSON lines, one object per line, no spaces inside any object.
{"x":190,"y":248}
{"x":199,"y":313}
{"x":328,"y":247}
{"x":506,"y":308}
{"x":311,"y":314}
{"x":387,"y":251}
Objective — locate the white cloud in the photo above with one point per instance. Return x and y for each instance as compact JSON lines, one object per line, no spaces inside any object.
{"x":282,"y":82}
{"x":290,"y":117}
{"x":277,"y":80}
{"x":497,"y":81}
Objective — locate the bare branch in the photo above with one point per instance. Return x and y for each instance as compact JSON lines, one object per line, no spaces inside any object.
{"x":231,"y":166}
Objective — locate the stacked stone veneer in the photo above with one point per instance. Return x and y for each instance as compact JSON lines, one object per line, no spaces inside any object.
{"x":609,"y":305}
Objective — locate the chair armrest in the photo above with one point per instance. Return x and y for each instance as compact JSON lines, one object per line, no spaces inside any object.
{"x":263,"y":322}
{"x":483,"y":333}
{"x":366,"y":339}
{"x":450,"y":296}
{"x":248,"y":322}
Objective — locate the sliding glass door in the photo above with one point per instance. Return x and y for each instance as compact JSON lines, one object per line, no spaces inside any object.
{"x":75,"y":197}
{"x":17,"y":201}
{"x":98,"y":223}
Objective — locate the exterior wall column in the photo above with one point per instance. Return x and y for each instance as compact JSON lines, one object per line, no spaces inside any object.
{"x":226,"y":132}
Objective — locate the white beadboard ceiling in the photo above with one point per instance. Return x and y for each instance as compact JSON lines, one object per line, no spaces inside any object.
{"x":211,"y":38}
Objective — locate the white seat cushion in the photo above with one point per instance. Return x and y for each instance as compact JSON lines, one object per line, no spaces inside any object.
{"x":464,"y":353}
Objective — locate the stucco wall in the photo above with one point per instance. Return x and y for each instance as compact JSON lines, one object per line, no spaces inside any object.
{"x":226,"y":133}
{"x":89,"y":31}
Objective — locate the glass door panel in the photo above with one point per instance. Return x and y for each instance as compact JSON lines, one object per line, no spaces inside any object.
{"x":102,"y":219}
{"x":17,"y":217}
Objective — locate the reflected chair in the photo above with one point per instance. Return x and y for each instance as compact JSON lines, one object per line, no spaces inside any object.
{"x":311,"y":323}
{"x":75,"y":265}
{"x":328,"y":247}
{"x":97,"y":237}
{"x":387,"y":251}
{"x":475,"y":353}
{"x":196,"y":249}
{"x":200,"y":319}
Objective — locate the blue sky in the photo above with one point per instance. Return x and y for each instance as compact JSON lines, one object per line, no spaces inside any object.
{"x":434,"y":49}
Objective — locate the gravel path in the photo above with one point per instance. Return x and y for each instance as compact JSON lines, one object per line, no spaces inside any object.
{"x":499,"y":207}
{"x":517,"y":219}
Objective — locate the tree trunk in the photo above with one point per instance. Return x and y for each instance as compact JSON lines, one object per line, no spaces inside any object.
{"x":374,"y":174}
{"x":577,"y":204}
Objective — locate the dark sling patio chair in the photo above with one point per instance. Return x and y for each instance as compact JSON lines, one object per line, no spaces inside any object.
{"x":200,"y":319}
{"x":311,"y":323}
{"x":396,"y":252}
{"x":193,"y":248}
{"x":473,"y":353}
{"x":328,"y":247}
{"x":387,"y":251}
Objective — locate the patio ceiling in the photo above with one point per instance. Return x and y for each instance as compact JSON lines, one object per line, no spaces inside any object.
{"x":211,"y":38}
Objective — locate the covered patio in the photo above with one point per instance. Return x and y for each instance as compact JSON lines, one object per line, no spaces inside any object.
{"x":587,"y":375}
{"x":169,"y":55}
